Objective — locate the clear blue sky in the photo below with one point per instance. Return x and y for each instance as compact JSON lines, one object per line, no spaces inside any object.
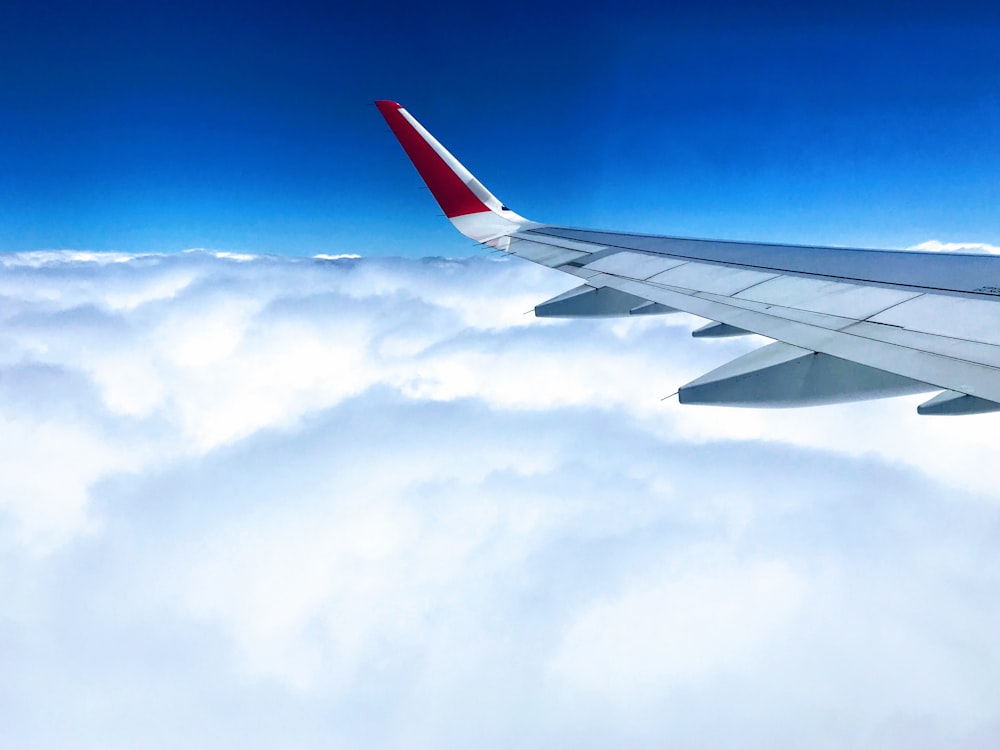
{"x":145,"y":126}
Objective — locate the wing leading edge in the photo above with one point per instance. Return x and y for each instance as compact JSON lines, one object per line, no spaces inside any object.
{"x":847,"y":324}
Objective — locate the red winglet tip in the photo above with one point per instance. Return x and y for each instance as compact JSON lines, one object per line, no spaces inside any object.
{"x":448,"y":188}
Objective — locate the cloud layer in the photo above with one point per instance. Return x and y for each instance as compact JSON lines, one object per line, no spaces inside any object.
{"x":936,"y":246}
{"x":369,"y":502}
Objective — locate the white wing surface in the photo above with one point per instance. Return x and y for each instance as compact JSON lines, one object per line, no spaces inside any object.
{"x":848,"y":324}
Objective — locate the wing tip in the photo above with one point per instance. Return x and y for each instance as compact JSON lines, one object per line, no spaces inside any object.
{"x":450,"y":183}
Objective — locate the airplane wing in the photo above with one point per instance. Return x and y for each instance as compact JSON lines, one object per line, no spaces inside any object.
{"x":847,"y":324}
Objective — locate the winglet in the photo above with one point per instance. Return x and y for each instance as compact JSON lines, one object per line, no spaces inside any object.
{"x":472,"y":208}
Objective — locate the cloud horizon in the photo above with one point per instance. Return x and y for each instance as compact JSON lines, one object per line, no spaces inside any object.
{"x":369,"y":501}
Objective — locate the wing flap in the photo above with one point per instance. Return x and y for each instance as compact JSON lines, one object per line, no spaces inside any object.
{"x":954,"y":317}
{"x":633,"y":265}
{"x":702,"y":277}
{"x":823,"y":296}
{"x":544,"y":253}
{"x":972,"y":351}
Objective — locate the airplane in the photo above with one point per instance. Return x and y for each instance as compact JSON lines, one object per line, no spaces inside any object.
{"x":847,"y":324}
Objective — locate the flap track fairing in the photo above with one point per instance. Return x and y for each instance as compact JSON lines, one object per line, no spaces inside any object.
{"x":780,"y":375}
{"x":598,"y":302}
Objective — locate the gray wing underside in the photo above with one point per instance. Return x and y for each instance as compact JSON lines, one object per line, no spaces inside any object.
{"x":848,"y":324}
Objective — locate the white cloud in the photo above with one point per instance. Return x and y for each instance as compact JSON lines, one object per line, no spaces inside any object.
{"x":936,"y":246}
{"x":39,"y":258}
{"x":694,"y":623}
{"x":226,"y":254}
{"x":369,"y":502}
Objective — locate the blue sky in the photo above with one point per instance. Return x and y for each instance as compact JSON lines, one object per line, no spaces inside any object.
{"x":140,"y":126}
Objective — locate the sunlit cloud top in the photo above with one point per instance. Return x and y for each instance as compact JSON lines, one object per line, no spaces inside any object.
{"x":371,"y":503}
